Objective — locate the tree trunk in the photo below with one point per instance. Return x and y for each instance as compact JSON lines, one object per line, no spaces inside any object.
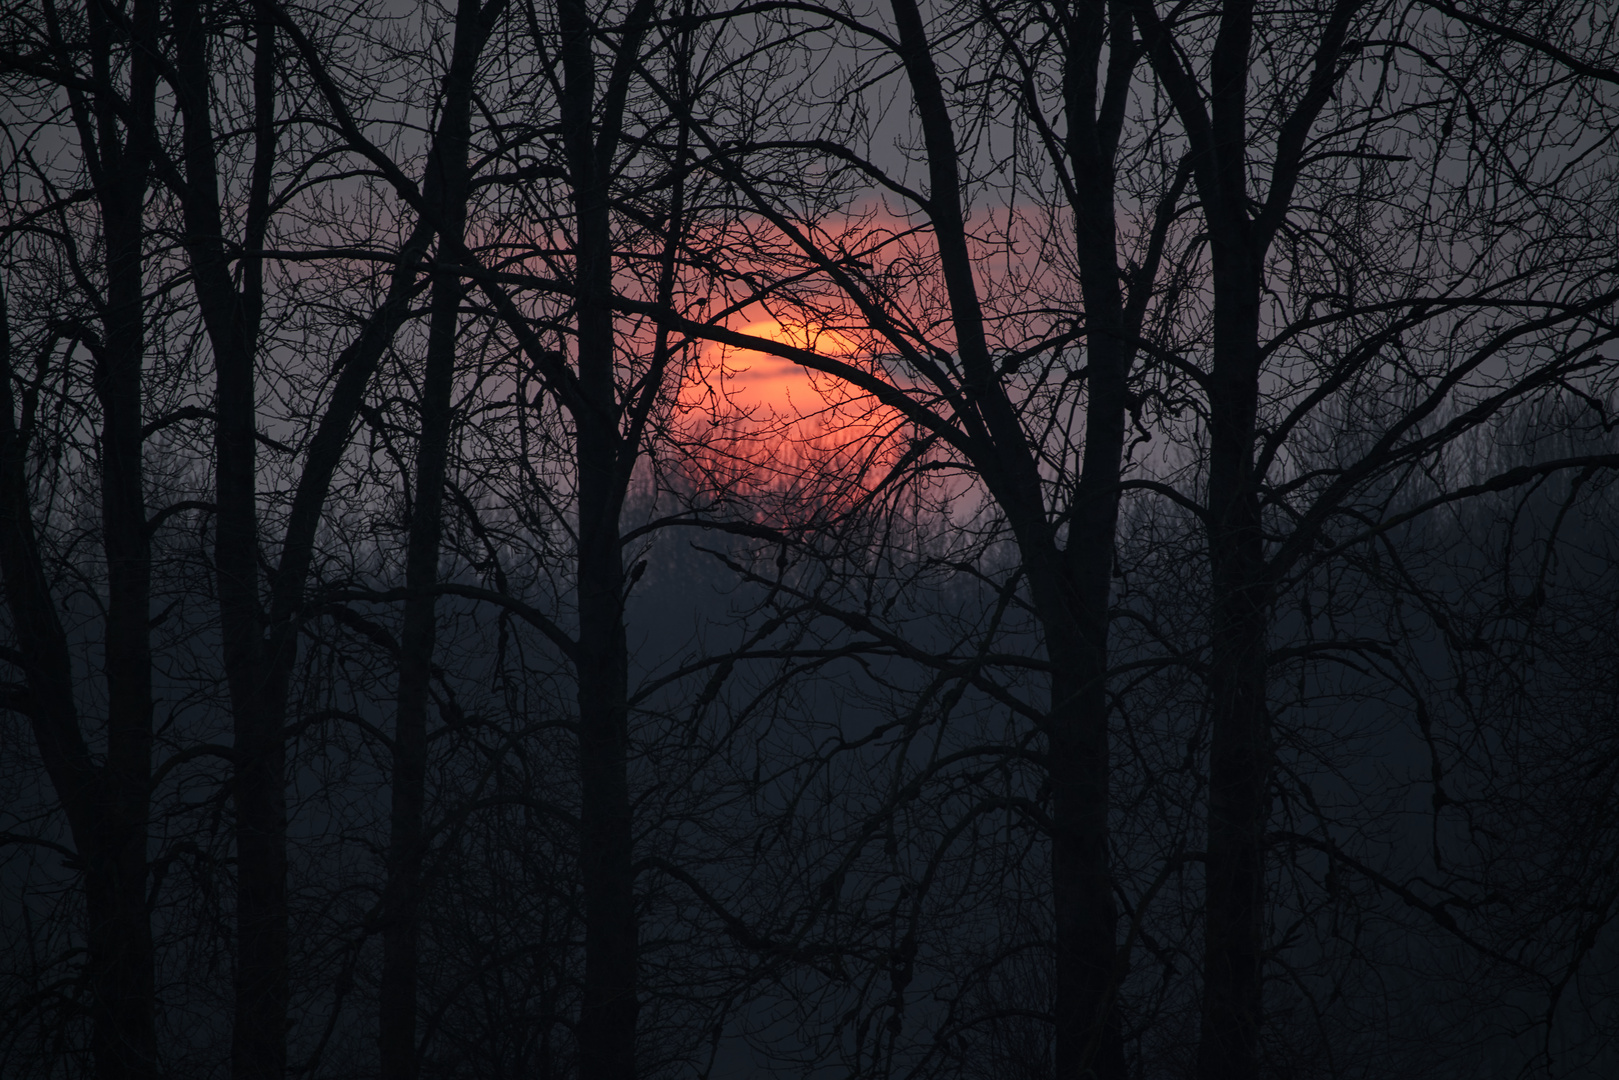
{"x":447,"y":170}
{"x":259,"y":1030}
{"x":607,"y":1021}
{"x":120,"y":935}
{"x":1088,"y":1037}
{"x":1239,"y":751}
{"x":259,"y":650}
{"x":107,"y":806}
{"x":610,"y":1006}
{"x":402,"y":891}
{"x":1070,"y":588}
{"x":129,"y":566}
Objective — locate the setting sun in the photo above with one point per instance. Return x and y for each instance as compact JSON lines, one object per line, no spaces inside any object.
{"x":757,"y":389}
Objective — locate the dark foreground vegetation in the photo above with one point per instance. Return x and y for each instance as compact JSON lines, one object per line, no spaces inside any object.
{"x":1170,"y":630}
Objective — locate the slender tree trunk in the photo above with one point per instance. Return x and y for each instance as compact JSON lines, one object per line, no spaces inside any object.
{"x":260,"y":679}
{"x":1240,"y":756}
{"x":1240,"y":751}
{"x":259,"y":1034}
{"x":259,"y":650}
{"x":607,"y":1022}
{"x":1075,"y":623}
{"x":608,"y":1012}
{"x":406,"y":841}
{"x":1073,"y":608}
{"x":1088,"y":1037}
{"x":402,"y":892}
{"x":120,"y":935}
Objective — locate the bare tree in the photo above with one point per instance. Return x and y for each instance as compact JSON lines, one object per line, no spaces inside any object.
{"x":1318,"y":113}
{"x":978,"y":397}
{"x":448,"y":178}
{"x":261,"y":639}
{"x":101,"y":57}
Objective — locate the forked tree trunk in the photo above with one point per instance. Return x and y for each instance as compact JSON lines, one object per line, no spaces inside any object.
{"x":259,"y":1029}
{"x":260,"y":648}
{"x":1070,"y":586}
{"x":1089,"y":1040}
{"x":1239,"y":750}
{"x":107,"y":806}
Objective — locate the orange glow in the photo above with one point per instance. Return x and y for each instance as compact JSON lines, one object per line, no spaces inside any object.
{"x":756,"y":389}
{"x":804,"y":443}
{"x":766,"y":428}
